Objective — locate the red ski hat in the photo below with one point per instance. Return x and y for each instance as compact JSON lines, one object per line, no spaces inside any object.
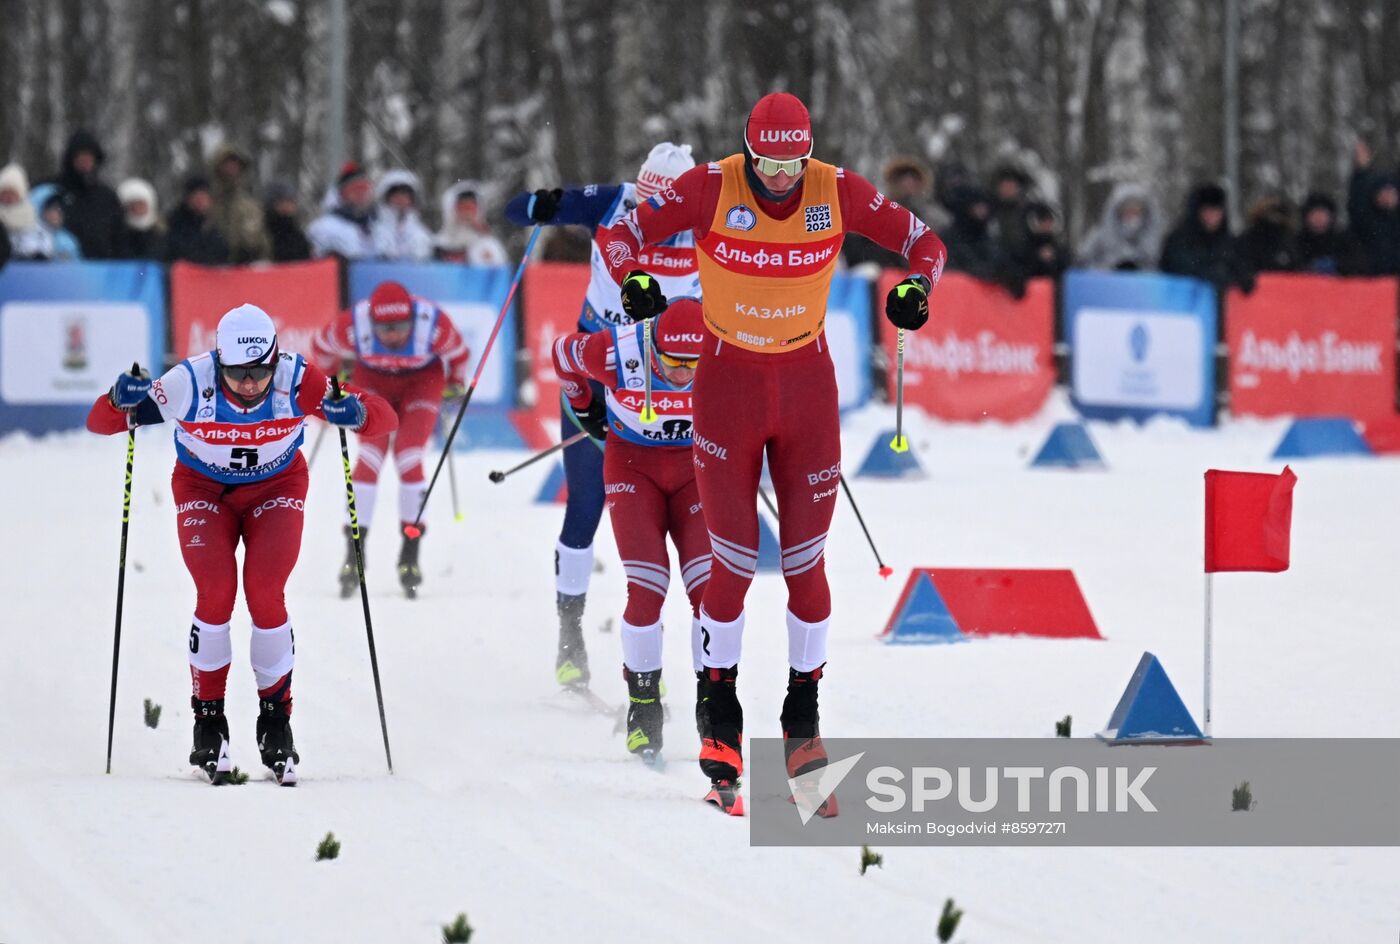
{"x":680,"y":330}
{"x":390,"y":301}
{"x":779,"y":126}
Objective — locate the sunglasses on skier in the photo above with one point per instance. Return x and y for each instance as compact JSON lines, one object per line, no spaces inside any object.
{"x":258,"y":372}
{"x":771,"y":166}
{"x":393,"y":327}
{"x":669,"y":361}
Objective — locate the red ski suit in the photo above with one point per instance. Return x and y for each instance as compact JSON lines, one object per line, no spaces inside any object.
{"x":412,"y":384}
{"x":765,"y":380}
{"x":650,"y":490}
{"x":212,"y":516}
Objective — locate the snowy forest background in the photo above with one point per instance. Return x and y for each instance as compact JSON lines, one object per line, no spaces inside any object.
{"x":523,"y":93}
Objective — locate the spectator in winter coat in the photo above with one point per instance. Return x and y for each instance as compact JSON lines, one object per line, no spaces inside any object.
{"x":1201,"y":245}
{"x":145,"y":233}
{"x":192,"y":233}
{"x":1039,"y":251}
{"x":1373,"y":207}
{"x":282,"y":221}
{"x":464,"y":236}
{"x":1321,"y":246}
{"x":974,"y":250}
{"x":236,"y":211}
{"x":398,"y":230}
{"x":1010,"y":191}
{"x":345,"y":229}
{"x":91,"y":210}
{"x":1129,"y":232}
{"x":1267,"y":243}
{"x":51,"y":241}
{"x":19,"y":217}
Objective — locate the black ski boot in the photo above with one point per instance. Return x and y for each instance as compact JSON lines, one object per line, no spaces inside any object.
{"x":210,"y":749}
{"x":700,"y":712}
{"x":802,"y":741}
{"x":644,"y":715}
{"x":349,"y":572}
{"x":722,"y":728}
{"x":410,"y":575}
{"x":279,"y":754}
{"x":571,"y":662}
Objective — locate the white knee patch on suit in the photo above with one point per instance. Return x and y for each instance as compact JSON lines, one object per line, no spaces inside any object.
{"x":641,"y":647}
{"x":806,"y":643}
{"x":695,"y":652}
{"x":410,"y":498}
{"x":365,"y":493}
{"x":210,"y":648}
{"x":573,"y":566}
{"x":720,"y":643}
{"x":272,"y":653}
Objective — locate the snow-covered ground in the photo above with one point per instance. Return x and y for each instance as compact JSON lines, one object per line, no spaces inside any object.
{"x":511,"y":804}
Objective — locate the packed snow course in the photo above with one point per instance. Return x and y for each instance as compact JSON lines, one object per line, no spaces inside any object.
{"x":515,"y":804}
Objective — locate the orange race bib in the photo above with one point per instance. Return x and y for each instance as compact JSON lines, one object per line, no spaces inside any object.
{"x":766,"y":281}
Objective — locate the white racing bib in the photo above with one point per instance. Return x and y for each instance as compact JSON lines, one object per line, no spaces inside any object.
{"x":626,"y":400}
{"x":216,"y":438}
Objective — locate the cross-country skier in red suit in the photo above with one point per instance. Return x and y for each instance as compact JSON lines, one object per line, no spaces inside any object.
{"x":649,"y":484}
{"x":768,"y":226}
{"x":238,"y":413}
{"x":406,"y":350}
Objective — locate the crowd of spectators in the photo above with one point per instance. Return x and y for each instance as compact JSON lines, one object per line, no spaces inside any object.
{"x":1003,"y":232}
{"x":223,"y":217}
{"x":998,"y":229}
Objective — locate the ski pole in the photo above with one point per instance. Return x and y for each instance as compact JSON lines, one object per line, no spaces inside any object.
{"x":648,"y":414}
{"x":413,"y":530}
{"x":884,"y":571}
{"x":899,"y":443}
{"x":121,"y":575}
{"x":499,"y":477}
{"x":316,"y":446}
{"x":360,"y":572}
{"x":768,"y":502}
{"x":452,"y":481}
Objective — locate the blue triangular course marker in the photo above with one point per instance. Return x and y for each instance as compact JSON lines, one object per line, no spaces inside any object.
{"x":1150,"y":711}
{"x":1068,"y":447}
{"x":553,"y":485}
{"x":925,"y":618}
{"x":882,"y":462}
{"x":770,"y":554}
{"x":1322,"y":437}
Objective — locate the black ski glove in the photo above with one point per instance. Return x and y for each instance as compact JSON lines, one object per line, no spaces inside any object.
{"x":641,"y":296}
{"x":544,"y":204}
{"x":594,"y":420}
{"x":907,"y":304}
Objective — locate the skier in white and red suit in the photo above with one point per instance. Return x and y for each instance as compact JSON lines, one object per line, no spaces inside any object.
{"x":768,"y":226}
{"x":239,"y":412}
{"x":407,"y":350}
{"x":649,"y":484}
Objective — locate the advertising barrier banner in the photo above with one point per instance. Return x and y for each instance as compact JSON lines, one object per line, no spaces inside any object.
{"x":472,"y":297}
{"x":301,"y":297}
{"x":1140,"y":345}
{"x":982,"y":355}
{"x":67,"y":329}
{"x":1310,"y":345}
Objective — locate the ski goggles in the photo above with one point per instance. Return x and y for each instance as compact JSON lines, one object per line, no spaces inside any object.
{"x":393,"y":327}
{"x":240,"y":373}
{"x":670,"y":361}
{"x":770,"y":166}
